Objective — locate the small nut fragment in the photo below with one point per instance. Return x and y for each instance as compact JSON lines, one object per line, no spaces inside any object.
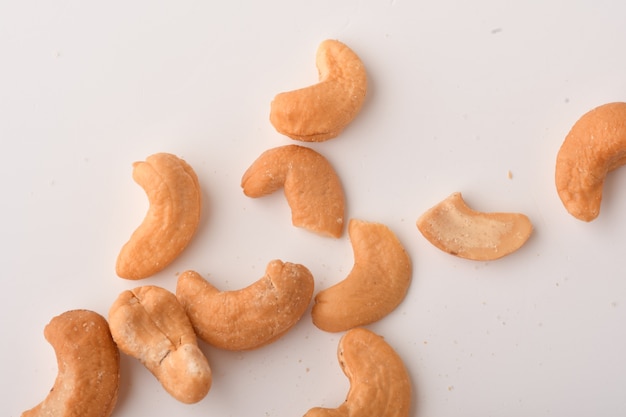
{"x":253,"y":316}
{"x":321,"y":111}
{"x":88,"y":361}
{"x":379,"y":382}
{"x":149,"y":324}
{"x":594,"y":146}
{"x":455,"y":228}
{"x":175,"y":205}
{"x":311,"y":185}
{"x":376,"y":285}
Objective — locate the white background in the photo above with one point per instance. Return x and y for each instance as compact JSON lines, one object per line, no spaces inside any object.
{"x":460,"y":93}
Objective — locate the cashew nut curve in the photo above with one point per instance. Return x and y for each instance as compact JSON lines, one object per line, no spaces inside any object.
{"x":173,"y":216}
{"x":88,"y":361}
{"x":594,"y":146}
{"x":253,"y":316}
{"x":458,"y":230}
{"x":149,"y":324}
{"x":379,"y":382}
{"x":321,"y":111}
{"x":377,"y":283}
{"x":311,"y":185}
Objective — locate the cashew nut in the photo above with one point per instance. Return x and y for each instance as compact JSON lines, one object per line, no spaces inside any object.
{"x":311,"y":185}
{"x":149,"y":324}
{"x":379,"y":382}
{"x":88,"y":363}
{"x":321,"y":111}
{"x":175,"y":204}
{"x":376,"y":285}
{"x":253,"y":316}
{"x":595,"y":145}
{"x":457,"y":229}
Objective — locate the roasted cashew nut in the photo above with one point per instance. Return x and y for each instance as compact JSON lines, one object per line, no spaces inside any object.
{"x":594,"y":146}
{"x":376,"y":285}
{"x":253,"y":316}
{"x":88,"y":363}
{"x":311,"y":185}
{"x":175,"y":205}
{"x":321,"y":111}
{"x":379,"y":382}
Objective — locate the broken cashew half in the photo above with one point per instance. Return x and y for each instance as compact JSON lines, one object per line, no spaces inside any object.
{"x":377,"y":283}
{"x":594,"y":146}
{"x":88,"y":363}
{"x":321,"y":111}
{"x":149,"y":324}
{"x":458,"y":230}
{"x":253,"y":316}
{"x":175,"y":205}
{"x":311,"y":185}
{"x":379,"y":382}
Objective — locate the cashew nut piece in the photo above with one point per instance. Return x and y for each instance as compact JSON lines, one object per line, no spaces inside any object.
{"x":311,"y":185}
{"x":88,"y":363}
{"x":175,"y":205}
{"x":455,"y":228}
{"x":321,"y":111}
{"x":253,"y":316}
{"x":149,"y":324}
{"x":379,"y":382}
{"x":376,"y":285}
{"x":595,"y":145}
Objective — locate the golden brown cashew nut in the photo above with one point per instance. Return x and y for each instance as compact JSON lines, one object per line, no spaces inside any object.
{"x":379,"y":382}
{"x":595,"y":145}
{"x":175,"y":205}
{"x":253,"y":316}
{"x":376,"y":285}
{"x":149,"y":324}
{"x":455,"y":228}
{"x":321,"y":111}
{"x":311,"y":185}
{"x":88,"y":363}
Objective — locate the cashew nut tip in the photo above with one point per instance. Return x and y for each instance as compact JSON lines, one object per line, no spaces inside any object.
{"x":149,"y":324}
{"x":88,"y":363}
{"x":174,"y":195}
{"x":594,"y":146}
{"x":376,"y":285}
{"x":311,"y":186}
{"x":379,"y":382}
{"x":321,"y":111}
{"x":458,"y":230}
{"x":250,"y":317}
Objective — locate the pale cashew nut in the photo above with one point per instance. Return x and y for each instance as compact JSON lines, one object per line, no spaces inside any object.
{"x":595,"y":145}
{"x":458,"y":230}
{"x":321,"y":111}
{"x":311,"y":185}
{"x":175,"y":205}
{"x":88,"y":361}
{"x":149,"y":324}
{"x":253,"y":316}
{"x":376,"y":285}
{"x":379,"y":382}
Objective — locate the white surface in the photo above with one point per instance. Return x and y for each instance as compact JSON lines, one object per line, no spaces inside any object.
{"x":460,"y":94}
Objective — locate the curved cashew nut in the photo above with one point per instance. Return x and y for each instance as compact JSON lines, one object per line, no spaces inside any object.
{"x":595,"y":145}
{"x":321,"y":111}
{"x":378,"y":282}
{"x":175,"y":205}
{"x":311,"y":185}
{"x":253,"y":316}
{"x":379,"y":382}
{"x":88,"y":363}
{"x":149,"y":324}
{"x":457,"y":229}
